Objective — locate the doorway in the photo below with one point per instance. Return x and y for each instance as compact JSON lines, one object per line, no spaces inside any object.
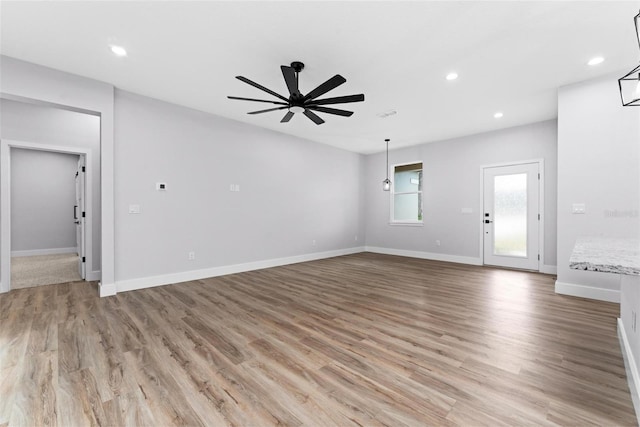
{"x":511,"y":215}
{"x":44,"y":255}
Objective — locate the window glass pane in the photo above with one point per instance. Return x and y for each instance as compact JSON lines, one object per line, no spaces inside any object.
{"x":406,"y":207}
{"x":510,"y":215}
{"x":407,"y":181}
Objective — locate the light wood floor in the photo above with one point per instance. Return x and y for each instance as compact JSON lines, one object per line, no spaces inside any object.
{"x":358,"y":340}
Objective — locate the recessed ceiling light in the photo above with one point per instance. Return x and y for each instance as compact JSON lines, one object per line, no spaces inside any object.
{"x":498,"y":115}
{"x":118,"y":50}
{"x":595,"y":61}
{"x":452,"y":76}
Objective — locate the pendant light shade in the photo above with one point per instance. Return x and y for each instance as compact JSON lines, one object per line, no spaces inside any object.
{"x":630,"y":83}
{"x":386,"y":184}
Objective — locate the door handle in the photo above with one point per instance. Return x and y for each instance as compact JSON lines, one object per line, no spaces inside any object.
{"x":487,"y":221}
{"x":75,"y":212}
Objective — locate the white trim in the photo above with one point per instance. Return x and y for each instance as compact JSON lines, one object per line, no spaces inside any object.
{"x":5,"y":201}
{"x":549,"y":269}
{"x":425,"y":255}
{"x":107,"y":290}
{"x":590,"y":292}
{"x":186,"y":276}
{"x":540,"y":162}
{"x":633,"y":378}
{"x":52,"y":251}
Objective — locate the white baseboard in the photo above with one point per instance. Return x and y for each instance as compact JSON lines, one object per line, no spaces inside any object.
{"x":633,"y":379}
{"x":186,"y":276}
{"x":425,"y":255}
{"x":107,"y":289}
{"x":590,"y":292}
{"x":52,"y":251}
{"x":549,"y":269}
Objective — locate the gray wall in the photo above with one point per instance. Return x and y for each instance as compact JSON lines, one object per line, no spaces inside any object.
{"x":43,"y":194}
{"x":451,"y":181}
{"x":599,"y":165}
{"x":53,"y":126}
{"x":292,"y":191}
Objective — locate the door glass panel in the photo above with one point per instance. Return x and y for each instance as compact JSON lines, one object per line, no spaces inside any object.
{"x":510,"y":215}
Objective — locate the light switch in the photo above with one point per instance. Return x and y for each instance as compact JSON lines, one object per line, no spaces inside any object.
{"x":134,"y":209}
{"x":578,"y":208}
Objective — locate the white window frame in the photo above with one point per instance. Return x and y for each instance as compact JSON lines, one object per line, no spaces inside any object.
{"x":392,"y":194}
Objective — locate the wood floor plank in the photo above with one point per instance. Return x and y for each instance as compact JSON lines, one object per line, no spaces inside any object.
{"x":364,"y":339}
{"x":36,"y":404}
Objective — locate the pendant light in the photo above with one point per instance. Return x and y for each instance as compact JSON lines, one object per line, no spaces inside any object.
{"x":630,"y":83}
{"x":386,"y":184}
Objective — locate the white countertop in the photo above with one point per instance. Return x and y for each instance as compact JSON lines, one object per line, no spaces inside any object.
{"x":606,"y":254}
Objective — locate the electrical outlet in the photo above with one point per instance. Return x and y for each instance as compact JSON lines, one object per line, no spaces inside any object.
{"x":437,"y":242}
{"x":192,"y":256}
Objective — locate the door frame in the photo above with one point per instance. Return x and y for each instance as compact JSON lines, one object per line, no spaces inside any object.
{"x":540,"y":163}
{"x":5,"y":201}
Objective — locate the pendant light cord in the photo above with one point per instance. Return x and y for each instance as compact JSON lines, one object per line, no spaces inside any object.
{"x":387,"y":141}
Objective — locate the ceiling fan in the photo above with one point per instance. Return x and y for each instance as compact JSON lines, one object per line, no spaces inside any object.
{"x":299,"y":103}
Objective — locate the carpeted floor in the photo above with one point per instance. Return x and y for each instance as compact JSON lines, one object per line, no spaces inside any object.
{"x":30,"y":271}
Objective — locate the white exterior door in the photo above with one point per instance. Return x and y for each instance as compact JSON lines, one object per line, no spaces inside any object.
{"x":511,"y":216}
{"x":79,"y":217}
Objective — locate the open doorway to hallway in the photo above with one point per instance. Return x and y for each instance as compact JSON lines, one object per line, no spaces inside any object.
{"x":47,"y":222}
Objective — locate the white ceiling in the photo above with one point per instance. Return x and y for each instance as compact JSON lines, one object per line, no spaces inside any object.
{"x":510,"y":56}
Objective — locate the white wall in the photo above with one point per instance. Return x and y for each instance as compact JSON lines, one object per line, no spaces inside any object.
{"x":598,"y":165}
{"x":53,"y":126}
{"x":42,"y":199}
{"x":451,"y":181}
{"x":292,"y":192}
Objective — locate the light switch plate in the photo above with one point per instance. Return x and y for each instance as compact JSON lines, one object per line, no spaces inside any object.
{"x":578,"y":208}
{"x":134,"y":209}
{"x":161,"y":186}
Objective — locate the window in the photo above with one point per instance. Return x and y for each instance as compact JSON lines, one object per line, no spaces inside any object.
{"x":406,"y":197}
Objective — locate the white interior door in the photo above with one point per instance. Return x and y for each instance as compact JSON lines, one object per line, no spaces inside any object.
{"x":511,"y":216}
{"x":79,"y":217}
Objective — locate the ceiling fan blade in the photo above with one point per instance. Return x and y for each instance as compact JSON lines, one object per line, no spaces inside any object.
{"x":254,"y":84}
{"x":331,"y":111}
{"x":338,"y":100}
{"x":287,"y":117}
{"x":257,"y":100}
{"x":314,"y":117}
{"x":325,"y":87}
{"x":289,"y":75}
{"x":267,"y":110}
